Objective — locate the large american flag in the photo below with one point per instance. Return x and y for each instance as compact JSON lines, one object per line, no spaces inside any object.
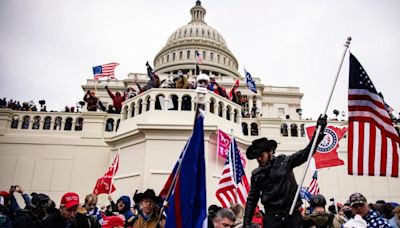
{"x":314,"y":188}
{"x":373,"y":147}
{"x":105,"y":70}
{"x":233,"y":186}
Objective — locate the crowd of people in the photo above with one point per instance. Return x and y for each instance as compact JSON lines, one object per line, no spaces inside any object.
{"x":143,"y":211}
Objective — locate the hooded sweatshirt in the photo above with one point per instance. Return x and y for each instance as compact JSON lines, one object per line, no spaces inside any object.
{"x":126,"y":211}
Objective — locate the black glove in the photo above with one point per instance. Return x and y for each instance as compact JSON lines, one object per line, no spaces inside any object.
{"x":147,"y":63}
{"x":88,"y":92}
{"x":322,"y":121}
{"x":106,"y":87}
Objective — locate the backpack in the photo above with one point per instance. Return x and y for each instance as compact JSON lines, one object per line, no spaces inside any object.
{"x":328,"y":222}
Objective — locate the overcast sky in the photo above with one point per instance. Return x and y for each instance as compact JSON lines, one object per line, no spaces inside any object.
{"x":48,"y":47}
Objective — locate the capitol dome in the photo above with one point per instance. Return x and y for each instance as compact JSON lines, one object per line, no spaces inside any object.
{"x":196,"y":36}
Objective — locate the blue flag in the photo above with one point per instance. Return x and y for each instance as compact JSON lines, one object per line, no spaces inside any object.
{"x":305,"y":194}
{"x":187,"y":205}
{"x":250,"y":82}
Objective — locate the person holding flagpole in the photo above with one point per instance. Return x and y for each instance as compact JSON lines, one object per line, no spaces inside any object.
{"x":274,"y":182}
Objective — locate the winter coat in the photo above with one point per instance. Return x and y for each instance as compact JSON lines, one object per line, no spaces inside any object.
{"x":275,"y":183}
{"x":117,"y":100}
{"x":91,"y":102}
{"x":126,"y":211}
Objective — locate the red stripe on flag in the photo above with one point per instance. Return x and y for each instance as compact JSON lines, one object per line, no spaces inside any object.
{"x":350,"y":145}
{"x":178,"y":214}
{"x":360,"y":149}
{"x":366,"y":98}
{"x":395,"y":168}
{"x":383,"y":155}
{"x":371,"y":163}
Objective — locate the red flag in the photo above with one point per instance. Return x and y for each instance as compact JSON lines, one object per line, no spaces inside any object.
{"x":233,"y":89}
{"x":223,"y":143}
{"x":104,"y":183}
{"x":374,"y":144}
{"x":327,"y":155}
{"x":233,"y":186}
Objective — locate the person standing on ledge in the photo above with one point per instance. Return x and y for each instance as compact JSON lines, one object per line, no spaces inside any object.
{"x":274,"y":181}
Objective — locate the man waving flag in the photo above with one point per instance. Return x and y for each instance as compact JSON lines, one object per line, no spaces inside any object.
{"x":373,"y":147}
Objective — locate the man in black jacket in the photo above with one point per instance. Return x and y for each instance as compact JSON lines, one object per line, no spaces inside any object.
{"x":274,"y":182}
{"x":65,"y":216}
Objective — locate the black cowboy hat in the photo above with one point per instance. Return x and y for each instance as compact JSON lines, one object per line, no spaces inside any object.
{"x":260,"y":145}
{"x":148,"y":194}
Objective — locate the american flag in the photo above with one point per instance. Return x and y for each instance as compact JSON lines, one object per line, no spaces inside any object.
{"x":198,"y":58}
{"x":105,"y":70}
{"x":314,"y":188}
{"x":233,"y":186}
{"x":373,"y":147}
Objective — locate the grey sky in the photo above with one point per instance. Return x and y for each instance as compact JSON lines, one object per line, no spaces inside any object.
{"x":48,"y":47}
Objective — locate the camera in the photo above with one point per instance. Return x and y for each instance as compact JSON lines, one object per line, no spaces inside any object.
{"x":13,"y":188}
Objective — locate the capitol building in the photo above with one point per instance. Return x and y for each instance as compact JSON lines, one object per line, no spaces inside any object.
{"x":57,"y":152}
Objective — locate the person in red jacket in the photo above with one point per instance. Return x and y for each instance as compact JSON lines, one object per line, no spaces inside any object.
{"x":117,"y":99}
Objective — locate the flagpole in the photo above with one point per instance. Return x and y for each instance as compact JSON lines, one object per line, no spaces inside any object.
{"x":231,"y":154}
{"x":296,"y":196}
{"x":201,"y":92}
{"x":333,"y":192}
{"x":217,"y":154}
{"x":112,"y":178}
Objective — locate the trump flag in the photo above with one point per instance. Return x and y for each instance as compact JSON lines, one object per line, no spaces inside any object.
{"x":326,"y":154}
{"x":104,"y":183}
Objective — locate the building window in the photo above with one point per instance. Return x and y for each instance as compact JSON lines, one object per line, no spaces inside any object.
{"x":212,"y":103}
{"x":68,"y":124}
{"x":245,"y":129}
{"x":188,"y":54}
{"x":167,"y":58}
{"x":180,"y":54}
{"x":47,"y":123}
{"x":254,"y":129}
{"x":79,"y":124}
{"x":173,"y":56}
{"x":25,"y":122}
{"x":218,"y":58}
{"x":211,"y":56}
{"x":14,"y":123}
{"x":204,"y":55}
{"x":186,"y":103}
{"x":284,"y":130}
{"x":110,"y":125}
{"x":57,"y":123}
{"x":36,"y":123}
{"x":293,"y":130}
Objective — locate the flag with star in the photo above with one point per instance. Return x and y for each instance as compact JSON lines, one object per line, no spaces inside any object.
{"x":373,"y":146}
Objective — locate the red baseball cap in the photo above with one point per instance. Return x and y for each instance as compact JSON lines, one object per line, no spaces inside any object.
{"x":69,"y":199}
{"x":112,"y":221}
